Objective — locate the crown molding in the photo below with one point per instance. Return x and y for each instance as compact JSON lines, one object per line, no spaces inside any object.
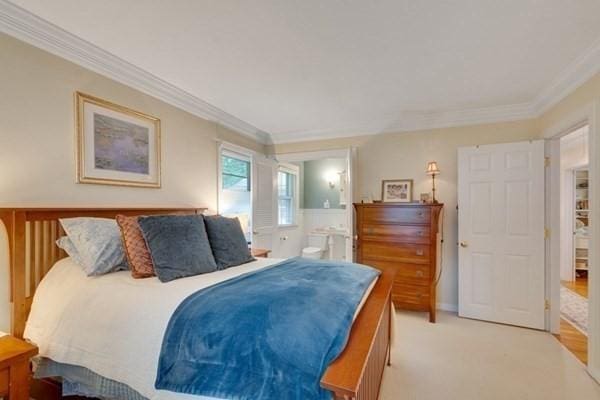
{"x":325,"y":134}
{"x":577,"y":73}
{"x":32,"y":29}
{"x":417,"y":121}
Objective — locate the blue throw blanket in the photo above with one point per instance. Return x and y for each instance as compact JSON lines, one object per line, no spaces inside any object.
{"x":265,"y":335}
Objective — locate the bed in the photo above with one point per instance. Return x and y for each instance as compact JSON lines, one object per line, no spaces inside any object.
{"x":355,"y":374}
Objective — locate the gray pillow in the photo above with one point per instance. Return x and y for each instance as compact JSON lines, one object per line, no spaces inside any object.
{"x":227,"y":241}
{"x":67,"y":245}
{"x":178,"y":245}
{"x":94,"y":243}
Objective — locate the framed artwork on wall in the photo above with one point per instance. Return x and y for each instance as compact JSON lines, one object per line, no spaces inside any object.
{"x":396,"y":190}
{"x":116,"y":145}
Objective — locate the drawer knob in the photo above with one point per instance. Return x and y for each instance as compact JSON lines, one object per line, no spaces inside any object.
{"x":420,"y":233}
{"x":420,"y":213}
{"x":419,"y":252}
{"x":419,"y":274}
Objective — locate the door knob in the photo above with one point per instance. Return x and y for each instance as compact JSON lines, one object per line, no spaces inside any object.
{"x":463,"y":244}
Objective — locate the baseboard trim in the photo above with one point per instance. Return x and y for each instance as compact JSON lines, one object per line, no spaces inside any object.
{"x":594,"y":373}
{"x":447,"y":307}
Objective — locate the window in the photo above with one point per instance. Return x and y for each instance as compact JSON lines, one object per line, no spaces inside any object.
{"x":236,"y":173}
{"x":235,"y":186}
{"x":286,"y":191}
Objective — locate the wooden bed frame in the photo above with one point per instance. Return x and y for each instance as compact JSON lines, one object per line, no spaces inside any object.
{"x":32,"y":233}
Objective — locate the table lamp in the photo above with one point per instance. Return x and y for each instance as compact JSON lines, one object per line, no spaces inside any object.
{"x":433,"y":170}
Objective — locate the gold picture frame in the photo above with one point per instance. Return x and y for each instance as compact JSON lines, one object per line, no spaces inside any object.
{"x":397,"y":191}
{"x":115,"y":144}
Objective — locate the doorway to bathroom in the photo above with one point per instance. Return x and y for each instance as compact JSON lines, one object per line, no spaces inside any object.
{"x":324,"y":215}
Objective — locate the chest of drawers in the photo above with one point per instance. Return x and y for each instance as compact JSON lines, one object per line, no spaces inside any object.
{"x":405,"y":237}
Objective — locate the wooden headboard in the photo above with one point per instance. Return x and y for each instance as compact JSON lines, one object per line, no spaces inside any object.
{"x":32,"y":234}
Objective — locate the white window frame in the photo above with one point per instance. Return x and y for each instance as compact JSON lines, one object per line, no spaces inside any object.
{"x":241,"y":151}
{"x":293,"y":170}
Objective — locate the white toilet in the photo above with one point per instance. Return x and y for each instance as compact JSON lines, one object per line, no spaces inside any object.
{"x":317,"y":244}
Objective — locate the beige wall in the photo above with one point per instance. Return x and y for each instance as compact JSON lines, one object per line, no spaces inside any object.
{"x":405,"y":155}
{"x":37,"y":165}
{"x":37,"y":162}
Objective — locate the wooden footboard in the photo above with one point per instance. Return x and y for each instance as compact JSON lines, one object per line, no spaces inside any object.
{"x":357,"y":372}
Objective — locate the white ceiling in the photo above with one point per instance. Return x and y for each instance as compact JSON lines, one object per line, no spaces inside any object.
{"x":322,"y":68}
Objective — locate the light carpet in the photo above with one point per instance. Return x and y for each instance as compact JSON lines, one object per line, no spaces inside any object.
{"x":574,"y":308}
{"x":462,"y":359}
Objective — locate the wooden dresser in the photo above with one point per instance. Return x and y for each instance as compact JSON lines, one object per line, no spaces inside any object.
{"x":404,"y":236}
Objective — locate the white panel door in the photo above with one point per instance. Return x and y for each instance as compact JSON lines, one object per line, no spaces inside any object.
{"x":501,"y":233}
{"x":264,"y":204}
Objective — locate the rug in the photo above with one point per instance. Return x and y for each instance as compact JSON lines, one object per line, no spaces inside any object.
{"x":574,"y":308}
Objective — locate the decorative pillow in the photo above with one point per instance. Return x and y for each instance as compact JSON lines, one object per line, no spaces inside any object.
{"x":178,"y":245}
{"x":227,"y":241}
{"x":97,"y":242}
{"x":136,"y":250}
{"x":65,"y":243}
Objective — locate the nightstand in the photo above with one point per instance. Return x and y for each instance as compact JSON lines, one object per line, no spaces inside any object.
{"x":264,"y":253}
{"x":15,"y":374}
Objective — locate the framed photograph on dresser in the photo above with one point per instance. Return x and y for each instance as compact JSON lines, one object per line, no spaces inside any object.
{"x":396,"y":190}
{"x":116,"y":145}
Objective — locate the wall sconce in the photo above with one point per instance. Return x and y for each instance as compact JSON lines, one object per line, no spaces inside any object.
{"x":331,"y":177}
{"x":433,"y":170}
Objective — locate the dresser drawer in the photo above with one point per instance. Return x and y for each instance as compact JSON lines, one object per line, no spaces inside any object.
{"x":411,"y":297}
{"x":397,"y":233}
{"x":398,"y":252}
{"x":418,"y":274}
{"x":396,"y":215}
{"x":4,"y":382}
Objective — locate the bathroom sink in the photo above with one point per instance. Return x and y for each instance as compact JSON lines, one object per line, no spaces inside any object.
{"x":332,"y":231}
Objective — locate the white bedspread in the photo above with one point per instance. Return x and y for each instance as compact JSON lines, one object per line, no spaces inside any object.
{"x":114,"y":324}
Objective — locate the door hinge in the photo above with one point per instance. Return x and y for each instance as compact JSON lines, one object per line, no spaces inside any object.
{"x":546,"y":161}
{"x":546,"y":304}
{"x":546,"y":233}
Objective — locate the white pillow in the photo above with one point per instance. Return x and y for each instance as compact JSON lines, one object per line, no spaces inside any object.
{"x":94,"y":244}
{"x":68,"y":246}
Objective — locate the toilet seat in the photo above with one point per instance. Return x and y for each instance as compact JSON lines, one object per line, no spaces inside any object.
{"x":311,"y":250}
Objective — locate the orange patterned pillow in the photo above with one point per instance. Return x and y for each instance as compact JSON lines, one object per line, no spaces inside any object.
{"x":138,"y":255}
